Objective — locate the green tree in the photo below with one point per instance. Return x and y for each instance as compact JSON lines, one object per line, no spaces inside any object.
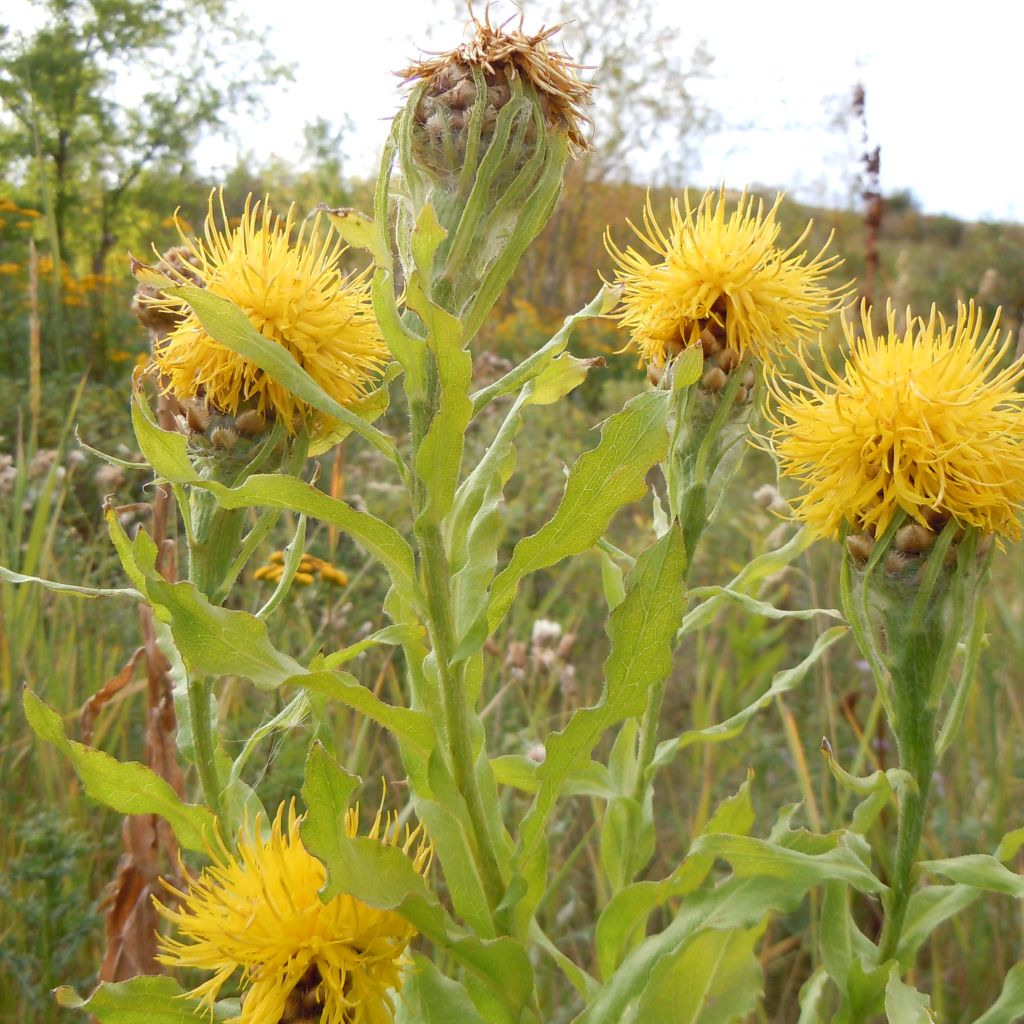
{"x":107,"y":98}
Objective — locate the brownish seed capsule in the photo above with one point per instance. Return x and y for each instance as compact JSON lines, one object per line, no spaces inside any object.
{"x":461,"y":97}
{"x":860,"y":546}
{"x":655,"y":373}
{"x":250,"y":423}
{"x":709,"y":344}
{"x":913,"y":539}
{"x":223,"y":437}
{"x":198,"y":417}
{"x":741,"y":395}
{"x":748,"y":379}
{"x":895,"y":563}
{"x":728,"y":359}
{"x":714,"y":379}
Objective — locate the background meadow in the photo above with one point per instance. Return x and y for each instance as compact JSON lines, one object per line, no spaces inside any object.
{"x":76,"y":199}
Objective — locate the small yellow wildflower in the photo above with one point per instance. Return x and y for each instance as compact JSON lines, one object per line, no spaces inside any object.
{"x":9,"y":269}
{"x":723,"y":278}
{"x":922,"y":421}
{"x":121,"y":355}
{"x":293,"y":293}
{"x":309,"y":566}
{"x":337,"y":962}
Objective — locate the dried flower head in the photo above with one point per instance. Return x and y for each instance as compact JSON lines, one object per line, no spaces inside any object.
{"x":921,"y":420}
{"x":503,"y":57}
{"x":293,"y":292}
{"x":301,"y":959}
{"x":721,"y":281}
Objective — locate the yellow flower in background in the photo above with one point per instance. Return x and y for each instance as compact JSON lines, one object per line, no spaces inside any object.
{"x":722,"y":276}
{"x":294,"y":293}
{"x":301,"y":959}
{"x":309,"y":566}
{"x":921,"y":420}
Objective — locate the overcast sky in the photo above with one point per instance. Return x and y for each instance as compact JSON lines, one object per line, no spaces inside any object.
{"x":943,"y":81}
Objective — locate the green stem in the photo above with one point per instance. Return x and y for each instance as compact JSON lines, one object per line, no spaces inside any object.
{"x":457,"y":723}
{"x":915,"y":657}
{"x":436,"y":579}
{"x":199,"y":691}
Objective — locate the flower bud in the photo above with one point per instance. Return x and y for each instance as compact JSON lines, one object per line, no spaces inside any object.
{"x":483,"y":140}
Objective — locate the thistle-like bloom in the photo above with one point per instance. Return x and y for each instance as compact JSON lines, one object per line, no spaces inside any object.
{"x":294,"y":293}
{"x":921,"y":420}
{"x":721,"y":277}
{"x":301,"y":959}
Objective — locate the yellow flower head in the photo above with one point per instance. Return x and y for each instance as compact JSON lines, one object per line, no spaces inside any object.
{"x":294,"y":293}
{"x":721,"y":277}
{"x":301,"y":959}
{"x":922,"y":421}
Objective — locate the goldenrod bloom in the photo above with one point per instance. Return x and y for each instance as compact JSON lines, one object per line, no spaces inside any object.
{"x":921,"y":420}
{"x":294,"y":293}
{"x":301,"y":959}
{"x":723,"y":277}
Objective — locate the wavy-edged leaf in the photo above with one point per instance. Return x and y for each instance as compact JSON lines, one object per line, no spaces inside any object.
{"x":147,"y":999}
{"x":641,"y":630}
{"x":1009,"y":1007}
{"x":600,"y":483}
{"x":69,"y":588}
{"x":127,"y":786}
{"x":782,"y":682}
{"x":980,"y":871}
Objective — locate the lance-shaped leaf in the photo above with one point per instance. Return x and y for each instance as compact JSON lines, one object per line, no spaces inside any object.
{"x":714,"y":978}
{"x":439,"y":460}
{"x":69,"y":588}
{"x":602,"y":481}
{"x":625,"y":917}
{"x":782,"y":682}
{"x":641,"y":630}
{"x":127,"y":786}
{"x":980,"y":871}
{"x":147,"y":999}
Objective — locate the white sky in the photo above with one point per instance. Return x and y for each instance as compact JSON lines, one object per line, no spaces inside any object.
{"x":944,"y":86}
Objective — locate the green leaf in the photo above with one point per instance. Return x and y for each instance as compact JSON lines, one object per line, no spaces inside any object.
{"x":905,"y":1005}
{"x":126,"y":786}
{"x":327,"y":789}
{"x":394,"y":635}
{"x":840,"y":940}
{"x":927,"y":909}
{"x":740,"y":902}
{"x":560,"y":377}
{"x":439,"y":460}
{"x":641,"y":630}
{"x":147,"y":999}
{"x":428,"y":997}
{"x":531,"y":367}
{"x":625,"y":916}
{"x":752,"y":573}
{"x":782,"y":682}
{"x":360,"y":230}
{"x":1009,"y":1007}
{"x":750,"y":858}
{"x":68,"y":588}
{"x":714,"y":978}
{"x":165,"y":450}
{"x":218,"y":641}
{"x":1010,"y":845}
{"x":228,"y":325}
{"x":813,"y":996}
{"x":411,"y":726}
{"x":602,"y":481}
{"x":380,"y":539}
{"x":980,"y":871}
{"x":688,"y":367}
